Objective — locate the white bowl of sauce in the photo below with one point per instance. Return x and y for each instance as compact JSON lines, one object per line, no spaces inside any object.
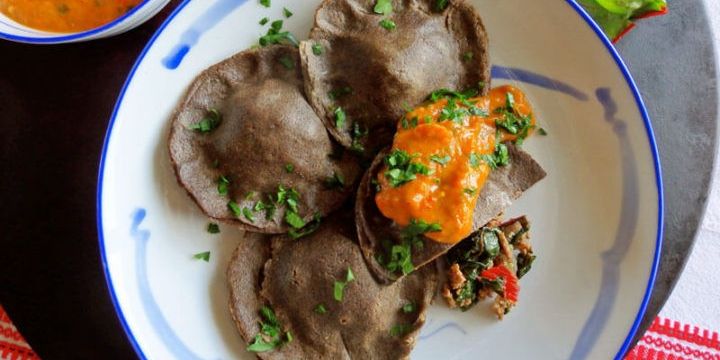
{"x":64,"y":21}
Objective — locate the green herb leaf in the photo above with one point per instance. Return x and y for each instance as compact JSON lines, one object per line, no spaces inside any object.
{"x":475,"y":160}
{"x":265,"y":3}
{"x":400,"y":329}
{"x":287,"y":12}
{"x":205,"y":256}
{"x":247,"y":213}
{"x":470,"y":191}
{"x":383,"y":7}
{"x":491,"y":242}
{"x":357,"y":135}
{"x":401,"y":169}
{"x":409,"y":124}
{"x":264,"y":21}
{"x":441,"y":5}
{"x":235,"y":208}
{"x":294,"y":220}
{"x":320,"y":309}
{"x":317,"y":49}
{"x":209,"y":123}
{"x":442,"y":160}
{"x":500,"y":157}
{"x":388,"y":24}
{"x":222,"y":185}
{"x":349,"y":276}
{"x":339,"y":118}
{"x":408,"y":308}
{"x":418,"y":227}
{"x":338,"y":289}
{"x":213,"y":228}
{"x":468,"y":56}
{"x":269,"y":337}
{"x":287,"y":62}
{"x":309,"y":228}
{"x":542,"y":132}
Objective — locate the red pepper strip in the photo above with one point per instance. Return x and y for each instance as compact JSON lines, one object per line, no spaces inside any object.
{"x":512,"y":288}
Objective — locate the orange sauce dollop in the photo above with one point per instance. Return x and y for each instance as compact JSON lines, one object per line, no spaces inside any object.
{"x":65,"y":16}
{"x":448,"y":194}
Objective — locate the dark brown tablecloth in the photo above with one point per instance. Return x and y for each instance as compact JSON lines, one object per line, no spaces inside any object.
{"x":55,"y":102}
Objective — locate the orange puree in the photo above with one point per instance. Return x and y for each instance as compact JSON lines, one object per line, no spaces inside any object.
{"x":448,"y":193}
{"x":65,"y":15}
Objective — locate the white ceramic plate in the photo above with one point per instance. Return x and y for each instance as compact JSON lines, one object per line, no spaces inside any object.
{"x":596,"y":217}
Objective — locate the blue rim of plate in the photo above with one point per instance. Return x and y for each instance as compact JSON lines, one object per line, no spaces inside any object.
{"x":80,"y":35}
{"x":581,"y":12}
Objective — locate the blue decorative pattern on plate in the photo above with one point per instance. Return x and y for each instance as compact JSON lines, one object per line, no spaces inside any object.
{"x":597,"y":217}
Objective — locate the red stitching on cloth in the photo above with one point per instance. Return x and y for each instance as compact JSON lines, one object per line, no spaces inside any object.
{"x":9,"y":351}
{"x":682,"y":332}
{"x":642,"y":352}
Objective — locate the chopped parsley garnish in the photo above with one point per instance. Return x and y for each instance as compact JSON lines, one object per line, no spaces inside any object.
{"x":542,"y":132}
{"x":320,"y":309}
{"x":470,"y":191}
{"x":265,"y":3}
{"x":499,"y":158}
{"x":401,"y":169}
{"x":213,"y":228}
{"x":400,"y":329}
{"x":336,"y":181}
{"x":401,"y":254}
{"x":408,"y":308}
{"x":287,"y":13}
{"x":418,"y":227}
{"x":468,"y":56}
{"x":357,"y":135}
{"x":309,"y":228}
{"x":247,"y":213}
{"x":475,"y":160}
{"x":294,"y":220}
{"x":274,"y":35}
{"x":235,"y":208}
{"x":271,"y":335}
{"x":264,"y":21}
{"x":441,"y":5}
{"x":287,"y":62}
{"x":339,"y":118}
{"x":208,"y":123}
{"x":205,"y":256}
{"x":388,"y":24}
{"x":289,"y":168}
{"x":339,"y":286}
{"x":453,"y":112}
{"x":383,"y":7}
{"x":445,"y":93}
{"x":222,"y":185}
{"x":336,"y":94}
{"x":317,"y":49}
{"x":442,"y":160}
{"x":407,"y":124}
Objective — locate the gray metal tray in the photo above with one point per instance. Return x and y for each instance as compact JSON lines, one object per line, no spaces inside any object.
{"x":672,"y":59}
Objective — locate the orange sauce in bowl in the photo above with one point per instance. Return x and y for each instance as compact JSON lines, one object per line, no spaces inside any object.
{"x":455,"y":152}
{"x":65,"y":16}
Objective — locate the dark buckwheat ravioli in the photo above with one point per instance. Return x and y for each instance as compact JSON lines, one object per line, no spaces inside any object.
{"x":373,"y":73}
{"x":261,"y":134}
{"x":371,"y":321}
{"x":504,"y":185}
